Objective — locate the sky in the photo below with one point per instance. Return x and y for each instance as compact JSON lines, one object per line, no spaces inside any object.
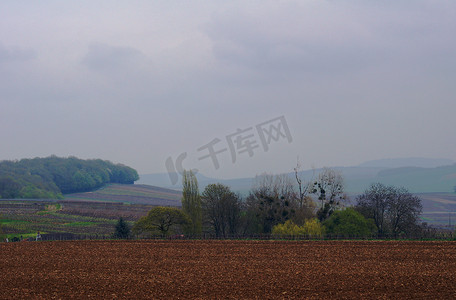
{"x":157,"y":85}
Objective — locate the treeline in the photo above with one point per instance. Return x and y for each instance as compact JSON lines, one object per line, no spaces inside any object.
{"x":53,"y":176}
{"x":282,"y":206}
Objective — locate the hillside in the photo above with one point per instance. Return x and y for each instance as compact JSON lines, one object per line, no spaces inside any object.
{"x":53,"y":176}
{"x":415,"y":179}
{"x":130,"y":193}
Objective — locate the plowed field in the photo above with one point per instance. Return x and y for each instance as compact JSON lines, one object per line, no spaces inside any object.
{"x":227,"y":269}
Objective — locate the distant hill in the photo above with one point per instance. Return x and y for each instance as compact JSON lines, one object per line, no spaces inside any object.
{"x":52,"y":176}
{"x":417,"y":179}
{"x":130,"y":193}
{"x":420,"y":162}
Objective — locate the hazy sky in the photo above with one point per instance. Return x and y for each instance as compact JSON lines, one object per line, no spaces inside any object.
{"x":137,"y":82}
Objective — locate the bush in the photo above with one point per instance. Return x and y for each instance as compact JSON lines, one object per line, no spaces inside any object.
{"x":287,"y":228}
{"x":349,"y":223}
{"x":311,"y":228}
{"x":314,"y":228}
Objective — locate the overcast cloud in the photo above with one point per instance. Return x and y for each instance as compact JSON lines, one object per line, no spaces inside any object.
{"x":137,"y":82}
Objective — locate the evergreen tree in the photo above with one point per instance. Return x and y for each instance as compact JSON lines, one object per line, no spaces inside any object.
{"x":191,"y":201}
{"x":122,"y":229}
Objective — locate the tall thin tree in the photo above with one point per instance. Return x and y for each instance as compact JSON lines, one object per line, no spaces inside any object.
{"x":191,"y":200}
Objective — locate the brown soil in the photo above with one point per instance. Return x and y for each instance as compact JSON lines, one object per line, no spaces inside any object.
{"x":179,"y":269}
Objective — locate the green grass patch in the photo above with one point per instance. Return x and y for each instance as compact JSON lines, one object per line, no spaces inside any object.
{"x":24,"y":235}
{"x":79,"y":224}
{"x":12,"y":221}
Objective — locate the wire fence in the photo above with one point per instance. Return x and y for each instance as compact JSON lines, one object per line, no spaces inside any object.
{"x":263,"y":237}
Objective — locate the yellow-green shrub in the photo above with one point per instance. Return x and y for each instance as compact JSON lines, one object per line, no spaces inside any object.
{"x":312,"y":228}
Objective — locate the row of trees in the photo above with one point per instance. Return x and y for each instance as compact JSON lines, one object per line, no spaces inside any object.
{"x":274,"y":206}
{"x":53,"y":176}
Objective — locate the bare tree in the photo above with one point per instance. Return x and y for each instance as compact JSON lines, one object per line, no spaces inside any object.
{"x":373,"y":203}
{"x":306,"y":206}
{"x":304,"y":187}
{"x":221,"y":209}
{"x":394,"y":210}
{"x":272,"y":200}
{"x":329,"y":190}
{"x":403,"y":213}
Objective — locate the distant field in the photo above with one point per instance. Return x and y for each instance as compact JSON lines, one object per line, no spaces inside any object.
{"x":25,"y":218}
{"x":94,"y":219}
{"x":90,"y":214}
{"x":131,"y":193}
{"x":228,"y":270}
{"x":439,"y":208}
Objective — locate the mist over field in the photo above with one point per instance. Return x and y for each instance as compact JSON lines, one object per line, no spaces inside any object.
{"x":145,"y":82}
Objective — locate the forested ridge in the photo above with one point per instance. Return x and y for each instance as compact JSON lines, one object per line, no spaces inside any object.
{"x":53,"y":176}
